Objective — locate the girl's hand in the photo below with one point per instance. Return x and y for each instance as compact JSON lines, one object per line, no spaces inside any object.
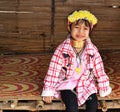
{"x":47,"y":99}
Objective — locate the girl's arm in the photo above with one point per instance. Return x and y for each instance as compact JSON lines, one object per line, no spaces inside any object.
{"x":102,"y":79}
{"x":52,"y":75}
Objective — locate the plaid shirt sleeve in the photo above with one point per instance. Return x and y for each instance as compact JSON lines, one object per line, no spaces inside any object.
{"x":102,"y":79}
{"x":52,"y":75}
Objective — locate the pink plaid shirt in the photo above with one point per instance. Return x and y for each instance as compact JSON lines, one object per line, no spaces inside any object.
{"x":61,"y":68}
{"x":71,"y":83}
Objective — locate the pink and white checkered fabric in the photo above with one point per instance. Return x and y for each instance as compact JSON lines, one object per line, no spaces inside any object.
{"x":62,"y":68}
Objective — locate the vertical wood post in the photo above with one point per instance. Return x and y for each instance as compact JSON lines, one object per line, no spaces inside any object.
{"x":52,"y":24}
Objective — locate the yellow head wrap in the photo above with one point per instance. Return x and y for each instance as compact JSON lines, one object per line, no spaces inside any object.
{"x":82,"y":14}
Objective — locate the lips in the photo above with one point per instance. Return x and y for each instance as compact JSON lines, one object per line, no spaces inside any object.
{"x":79,"y":36}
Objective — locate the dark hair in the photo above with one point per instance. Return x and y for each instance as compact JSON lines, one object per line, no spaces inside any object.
{"x":82,"y":21}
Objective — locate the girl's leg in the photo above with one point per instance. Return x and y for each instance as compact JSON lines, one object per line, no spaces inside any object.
{"x":92,"y":103}
{"x":70,"y":100}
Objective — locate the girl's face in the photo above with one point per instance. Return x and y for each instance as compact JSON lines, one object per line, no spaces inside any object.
{"x":79,"y":31}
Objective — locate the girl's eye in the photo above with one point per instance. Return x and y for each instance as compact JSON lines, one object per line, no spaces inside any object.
{"x":86,"y":28}
{"x":76,"y":26}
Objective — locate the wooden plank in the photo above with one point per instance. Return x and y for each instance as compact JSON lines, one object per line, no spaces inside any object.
{"x":34,"y":5}
{"x":29,"y":21}
{"x":18,"y":44}
{"x":32,"y":105}
{"x":7,"y":5}
{"x":78,"y":2}
{"x":112,"y":2}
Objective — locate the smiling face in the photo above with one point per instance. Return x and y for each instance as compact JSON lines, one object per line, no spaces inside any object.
{"x":80,"y":30}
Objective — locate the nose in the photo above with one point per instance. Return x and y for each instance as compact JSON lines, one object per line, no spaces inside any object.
{"x":81,"y":31}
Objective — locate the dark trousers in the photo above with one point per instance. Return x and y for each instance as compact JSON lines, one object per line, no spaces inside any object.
{"x":71,"y":103}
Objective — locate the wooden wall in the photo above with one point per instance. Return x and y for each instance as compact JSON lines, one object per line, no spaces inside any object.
{"x":34,"y":26}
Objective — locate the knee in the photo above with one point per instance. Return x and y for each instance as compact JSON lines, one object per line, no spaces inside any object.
{"x":92,"y":104}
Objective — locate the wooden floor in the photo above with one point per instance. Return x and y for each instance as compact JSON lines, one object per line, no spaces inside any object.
{"x":111,"y":110}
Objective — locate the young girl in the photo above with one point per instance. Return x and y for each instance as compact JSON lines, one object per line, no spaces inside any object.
{"x":76,"y":69}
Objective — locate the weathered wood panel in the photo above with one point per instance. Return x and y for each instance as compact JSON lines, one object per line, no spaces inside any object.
{"x":112,"y":2}
{"x":6,"y":5}
{"x":25,"y":26}
{"x":33,"y":26}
